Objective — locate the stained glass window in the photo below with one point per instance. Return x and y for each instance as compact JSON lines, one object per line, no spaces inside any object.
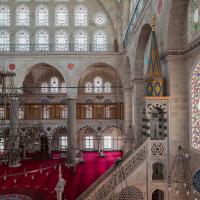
{"x":196,"y":108}
{"x":22,"y":40}
{"x":22,"y":15}
{"x":4,"y":15}
{"x":61,"y":16}
{"x":80,"y":43}
{"x":4,"y":40}
{"x":107,"y":87}
{"x":44,"y":87}
{"x":54,"y":84}
{"x":81,"y":16}
{"x":42,"y":40}
{"x":98,"y":85}
{"x":61,"y":41}
{"x":195,"y":15}
{"x":100,"y":41}
{"x":41,"y":16}
{"x":88,"y":87}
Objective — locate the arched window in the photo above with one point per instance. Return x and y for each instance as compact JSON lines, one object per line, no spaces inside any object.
{"x":22,"y":40}
{"x":98,"y":84}
{"x":41,"y":16}
{"x":100,"y":41}
{"x":88,"y":87}
{"x":44,"y":87}
{"x":4,"y":40}
{"x":63,"y":88}
{"x":80,"y":43}
{"x":81,"y":16}
{"x":1,"y":145}
{"x":54,"y":84}
{"x":107,"y":87}
{"x":88,"y":111}
{"x":158,"y":195}
{"x":4,"y":15}
{"x":42,"y":40}
{"x":61,"y":16}
{"x":61,"y":41}
{"x":196,"y":108}
{"x":45,"y":112}
{"x":2,"y":113}
{"x":64,"y":112}
{"x":22,"y":15}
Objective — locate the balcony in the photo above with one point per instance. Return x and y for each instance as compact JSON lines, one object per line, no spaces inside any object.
{"x":58,"y":48}
{"x":138,"y":8}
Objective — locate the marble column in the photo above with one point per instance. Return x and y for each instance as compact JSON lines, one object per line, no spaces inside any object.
{"x":14,"y":134}
{"x":71,"y":130}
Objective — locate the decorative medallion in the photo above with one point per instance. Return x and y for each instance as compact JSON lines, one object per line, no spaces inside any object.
{"x":196,"y":181}
{"x":70,"y":66}
{"x":12,"y":66}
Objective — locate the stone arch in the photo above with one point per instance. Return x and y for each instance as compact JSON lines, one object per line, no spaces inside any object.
{"x":158,"y":195}
{"x":131,"y":193}
{"x":38,"y":73}
{"x":101,"y":68}
{"x":56,"y":134}
{"x":85,"y":131}
{"x":117,"y":135}
{"x":140,"y":50}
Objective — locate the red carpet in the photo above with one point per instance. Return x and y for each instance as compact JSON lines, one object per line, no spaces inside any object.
{"x":40,"y":186}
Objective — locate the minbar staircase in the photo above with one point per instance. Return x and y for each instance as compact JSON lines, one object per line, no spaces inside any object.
{"x":134,"y":164}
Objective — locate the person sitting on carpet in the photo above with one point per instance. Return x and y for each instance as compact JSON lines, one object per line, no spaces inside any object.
{"x":79,"y":159}
{"x":101,"y":154}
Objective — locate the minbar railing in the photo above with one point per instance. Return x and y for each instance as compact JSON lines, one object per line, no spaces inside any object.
{"x":58,"y":48}
{"x":104,"y":185}
{"x":138,"y":8}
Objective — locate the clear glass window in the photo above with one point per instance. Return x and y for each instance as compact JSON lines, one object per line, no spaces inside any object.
{"x":22,"y":15}
{"x":88,"y":111}
{"x":63,"y":88}
{"x":4,"y":40}
{"x":61,"y":40}
{"x":88,"y":87}
{"x":4,"y":15}
{"x":89,"y":142}
{"x":98,"y":84}
{"x":2,"y":113}
{"x":1,"y":145}
{"x":42,"y":40}
{"x":100,"y":41}
{"x":41,"y":15}
{"x":44,"y":88}
{"x":81,"y":16}
{"x":54,"y":84}
{"x":81,"y":39}
{"x":45,"y":112}
{"x":64,"y":112}
{"x":61,"y":16}
{"x":107,"y":87}
{"x":107,"y":142}
{"x":22,"y":40}
{"x":108,"y":113}
{"x":63,"y":142}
